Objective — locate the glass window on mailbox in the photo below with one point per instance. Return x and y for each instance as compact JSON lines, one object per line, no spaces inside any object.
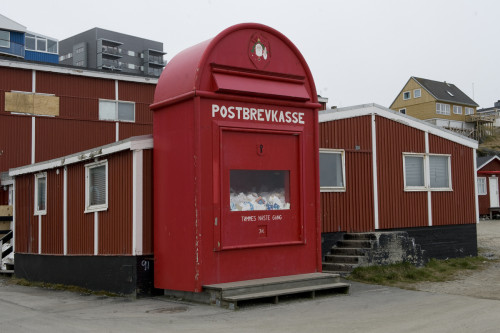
{"x":259,"y":190}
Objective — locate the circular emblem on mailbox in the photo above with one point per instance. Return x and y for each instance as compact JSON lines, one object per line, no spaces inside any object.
{"x":259,"y":51}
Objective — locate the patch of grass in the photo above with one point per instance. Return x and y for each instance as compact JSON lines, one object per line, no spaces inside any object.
{"x":404,"y":273}
{"x":63,"y":287}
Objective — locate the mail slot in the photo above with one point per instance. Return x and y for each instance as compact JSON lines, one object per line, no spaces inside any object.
{"x":236,"y":191}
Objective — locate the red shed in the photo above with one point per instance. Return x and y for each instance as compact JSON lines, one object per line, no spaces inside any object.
{"x":488,"y":169}
{"x":235,"y":162}
{"x":382,"y":170}
{"x":86,"y":219}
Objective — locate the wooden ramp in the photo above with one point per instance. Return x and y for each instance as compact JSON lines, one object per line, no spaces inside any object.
{"x":230,"y":294}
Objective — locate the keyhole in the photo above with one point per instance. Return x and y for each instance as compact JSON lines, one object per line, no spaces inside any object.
{"x":261,"y":147}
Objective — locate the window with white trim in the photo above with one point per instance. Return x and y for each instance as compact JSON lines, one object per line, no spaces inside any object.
{"x":41,"y":44}
{"x":116,"y":110}
{"x":96,"y":186}
{"x":481,"y":186}
{"x":417,"y":93}
{"x":331,"y":170}
{"x":41,"y":194}
{"x":406,"y":95}
{"x":424,"y":172}
{"x":442,"y":108}
{"x":414,"y":176}
{"x":469,"y":111}
{"x":457,"y":109}
{"x":439,"y":172}
{"x":403,"y":111}
{"x":4,"y":38}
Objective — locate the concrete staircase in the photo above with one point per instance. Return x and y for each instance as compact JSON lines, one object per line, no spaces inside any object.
{"x":372,"y":248}
{"x":232,"y":294}
{"x":348,"y":253}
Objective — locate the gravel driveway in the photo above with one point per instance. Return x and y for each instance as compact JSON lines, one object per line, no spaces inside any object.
{"x":480,"y":284}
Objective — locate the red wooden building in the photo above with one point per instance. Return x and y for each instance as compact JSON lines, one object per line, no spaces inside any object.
{"x":48,"y":111}
{"x":382,"y":170}
{"x":488,"y":169}
{"x":86,"y":219}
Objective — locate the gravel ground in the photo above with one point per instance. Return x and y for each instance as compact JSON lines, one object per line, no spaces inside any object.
{"x":480,"y":284}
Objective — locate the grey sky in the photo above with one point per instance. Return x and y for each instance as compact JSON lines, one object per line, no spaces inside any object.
{"x":358,"y":51}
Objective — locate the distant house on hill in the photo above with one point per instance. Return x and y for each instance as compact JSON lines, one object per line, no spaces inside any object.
{"x":493,"y":111}
{"x":442,"y":104}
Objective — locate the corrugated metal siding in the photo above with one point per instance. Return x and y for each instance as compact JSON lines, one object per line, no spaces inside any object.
{"x":64,"y":85}
{"x":4,"y":197}
{"x":26,"y":223}
{"x":351,"y":210}
{"x":147,"y":202}
{"x":14,"y":79}
{"x":128,"y":130}
{"x":41,"y":57}
{"x":15,"y":141}
{"x":80,"y":225}
{"x":115,"y":224}
{"x":143,"y":95}
{"x":52,"y":222}
{"x":457,"y":206}
{"x":397,"y":208}
{"x":59,"y":137}
{"x":484,"y":200}
{"x":492,"y":166}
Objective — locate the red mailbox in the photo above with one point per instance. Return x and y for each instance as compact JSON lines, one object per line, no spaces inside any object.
{"x":236,"y":190}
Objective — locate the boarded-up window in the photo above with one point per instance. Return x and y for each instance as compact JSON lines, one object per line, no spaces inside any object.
{"x":25,"y":102}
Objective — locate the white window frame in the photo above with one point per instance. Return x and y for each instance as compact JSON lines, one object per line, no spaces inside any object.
{"x":116,"y":103}
{"x":5,"y":43}
{"x":335,"y":188}
{"x":404,"y":95}
{"x":37,"y":38}
{"x":449,"y":187}
{"x":469,"y":111}
{"x":426,"y":165}
{"x":414,"y":188}
{"x":457,"y":109}
{"x":402,"y":111}
{"x":37,"y":210}
{"x":101,"y":207}
{"x":417,"y":95}
{"x":482,"y":188}
{"x":442,"y":108}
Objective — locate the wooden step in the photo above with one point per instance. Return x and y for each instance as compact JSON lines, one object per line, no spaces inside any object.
{"x":232,"y":301}
{"x":6,"y":271}
{"x":229,"y":294}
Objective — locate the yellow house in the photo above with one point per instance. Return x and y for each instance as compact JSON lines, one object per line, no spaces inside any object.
{"x":440,"y":103}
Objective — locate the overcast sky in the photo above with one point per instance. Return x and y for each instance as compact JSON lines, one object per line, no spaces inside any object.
{"x":358,"y":51}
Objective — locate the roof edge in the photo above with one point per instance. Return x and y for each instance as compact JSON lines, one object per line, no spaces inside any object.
{"x":376,"y":109}
{"x":133,"y":143}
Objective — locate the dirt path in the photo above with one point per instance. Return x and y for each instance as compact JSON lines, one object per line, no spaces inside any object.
{"x":481,"y":284}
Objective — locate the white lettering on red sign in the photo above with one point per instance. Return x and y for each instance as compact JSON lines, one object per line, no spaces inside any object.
{"x":244,"y":113}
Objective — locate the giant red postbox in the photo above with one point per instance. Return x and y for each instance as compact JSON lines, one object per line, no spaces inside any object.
{"x":236,"y":190}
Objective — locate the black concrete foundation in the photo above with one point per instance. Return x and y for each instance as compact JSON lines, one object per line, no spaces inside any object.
{"x":124,"y":275}
{"x":438,"y":242}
